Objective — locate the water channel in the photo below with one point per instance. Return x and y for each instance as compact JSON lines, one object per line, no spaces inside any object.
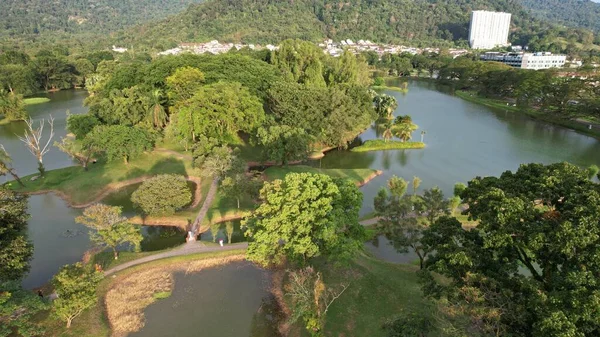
{"x":463,"y":140}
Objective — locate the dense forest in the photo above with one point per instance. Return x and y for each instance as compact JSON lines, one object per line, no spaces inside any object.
{"x":573,"y":13}
{"x":32,"y":17}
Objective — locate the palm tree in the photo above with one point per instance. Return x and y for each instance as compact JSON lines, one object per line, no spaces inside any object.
{"x":385,"y":106}
{"x":6,"y":167}
{"x":403,"y":128}
{"x":157,"y":115}
{"x":386,"y":128}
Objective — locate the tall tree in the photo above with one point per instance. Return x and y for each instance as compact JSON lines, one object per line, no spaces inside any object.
{"x":529,"y":265}
{"x":304,"y":216}
{"x":75,"y":286}
{"x":12,"y":107}
{"x":434,"y":204}
{"x":157,"y":114}
{"x":121,"y":142}
{"x":111,"y":229}
{"x":184,"y":83}
{"x":385,"y":105}
{"x":283,"y":144}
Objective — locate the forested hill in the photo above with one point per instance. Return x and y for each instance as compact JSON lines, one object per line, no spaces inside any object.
{"x":269,"y":21}
{"x":573,"y":13}
{"x":31,"y":17}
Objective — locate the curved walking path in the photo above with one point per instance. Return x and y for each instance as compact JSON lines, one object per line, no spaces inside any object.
{"x":186,"y":249}
{"x":207,"y":203}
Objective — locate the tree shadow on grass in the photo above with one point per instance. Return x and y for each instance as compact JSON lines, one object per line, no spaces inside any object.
{"x":168,"y":166}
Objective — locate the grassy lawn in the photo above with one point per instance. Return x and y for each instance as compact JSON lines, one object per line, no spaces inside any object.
{"x":378,"y":291}
{"x":93,"y":322}
{"x":380,"y":144}
{"x":356,"y":175}
{"x":36,"y":100}
{"x":84,"y":187}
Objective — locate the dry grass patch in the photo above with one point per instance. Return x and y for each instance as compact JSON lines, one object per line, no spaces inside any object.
{"x":128,"y":297}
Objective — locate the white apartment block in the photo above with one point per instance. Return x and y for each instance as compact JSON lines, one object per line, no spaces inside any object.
{"x":489,"y":29}
{"x":533,"y":61}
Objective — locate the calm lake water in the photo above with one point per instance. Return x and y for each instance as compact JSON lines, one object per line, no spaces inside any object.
{"x":463,"y":140}
{"x":232,"y":300}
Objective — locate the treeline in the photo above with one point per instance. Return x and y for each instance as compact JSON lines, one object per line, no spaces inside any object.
{"x":573,"y":13}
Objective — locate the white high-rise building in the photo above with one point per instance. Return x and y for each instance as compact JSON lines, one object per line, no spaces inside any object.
{"x":489,"y":29}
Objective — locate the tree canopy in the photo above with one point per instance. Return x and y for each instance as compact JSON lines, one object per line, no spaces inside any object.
{"x":304,"y":216}
{"x":531,"y":263}
{"x":162,"y":195}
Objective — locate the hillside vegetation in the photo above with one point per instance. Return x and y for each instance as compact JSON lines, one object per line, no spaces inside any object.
{"x":264,"y":21}
{"x":33,"y":17}
{"x":573,"y":13}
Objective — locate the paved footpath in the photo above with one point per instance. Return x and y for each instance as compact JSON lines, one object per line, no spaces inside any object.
{"x":189,"y":248}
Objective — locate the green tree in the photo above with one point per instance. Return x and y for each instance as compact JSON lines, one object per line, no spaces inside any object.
{"x":220,"y":111}
{"x":459,"y":188}
{"x":162,"y":195}
{"x":434,"y":204}
{"x":397,"y":186}
{"x":283,"y":144}
{"x":120,"y":141}
{"x":229,"y":230}
{"x":301,"y":62}
{"x":12,"y":107}
{"x":111,"y":229}
{"x":593,"y":171}
{"x":385,"y":105}
{"x":304,"y":216}
{"x":15,"y":249}
{"x":55,"y":72}
{"x":18,"y":79}
{"x":184,"y":83}
{"x":222,"y":161}
{"x":404,"y":127}
{"x":527,"y":266}
{"x":81,"y":151}
{"x":83,"y":69}
{"x":81,"y":124}
{"x":157,"y":114}
{"x":214,"y":230}
{"x":17,"y":310}
{"x":6,"y":165}
{"x":239,"y":185}
{"x":75,"y":286}
{"x":416,"y":182}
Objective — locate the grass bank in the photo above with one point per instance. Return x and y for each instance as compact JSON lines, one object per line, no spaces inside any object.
{"x":391,"y":88}
{"x":379,"y":145}
{"x":139,"y":286}
{"x":358,"y":176}
{"x":77,"y":186}
{"x":36,"y":100}
{"x":500,"y":104}
{"x":378,"y":291}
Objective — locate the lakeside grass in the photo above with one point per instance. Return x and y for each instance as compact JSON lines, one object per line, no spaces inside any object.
{"x":84,"y":186}
{"x":93,"y":322}
{"x":500,"y":104}
{"x":391,"y":88}
{"x":36,"y":100}
{"x":380,"y":145}
{"x":378,"y":291}
{"x":355,"y":175}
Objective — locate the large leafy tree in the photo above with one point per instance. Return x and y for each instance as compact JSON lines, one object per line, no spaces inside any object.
{"x":530,"y":267}
{"x":15,"y":249}
{"x":121,"y":142}
{"x":304,"y":216}
{"x":75,"y":286}
{"x":81,"y":124}
{"x":283,"y":144}
{"x":300,"y":61}
{"x":111,"y":229}
{"x":162,"y":195}
{"x":220,"y":111}
{"x":184,"y":83}
{"x":385,"y":105}
{"x":12,"y":107}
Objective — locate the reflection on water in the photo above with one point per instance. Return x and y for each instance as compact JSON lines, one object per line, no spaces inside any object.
{"x":464,"y":140}
{"x":232,"y":300}
{"x":382,"y":249}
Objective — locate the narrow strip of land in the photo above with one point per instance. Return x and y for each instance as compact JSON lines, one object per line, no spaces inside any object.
{"x":186,"y":249}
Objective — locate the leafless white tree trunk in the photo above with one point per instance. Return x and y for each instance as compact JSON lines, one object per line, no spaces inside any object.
{"x":32,"y":138}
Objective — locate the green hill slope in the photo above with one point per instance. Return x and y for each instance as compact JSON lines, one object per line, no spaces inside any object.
{"x":32,"y":17}
{"x":267,"y":21}
{"x":573,"y":13}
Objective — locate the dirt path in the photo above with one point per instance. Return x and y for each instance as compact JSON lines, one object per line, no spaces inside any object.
{"x":207,"y":203}
{"x":186,"y":249}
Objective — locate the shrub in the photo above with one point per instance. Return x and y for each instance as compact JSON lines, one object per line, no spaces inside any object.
{"x":162,"y":195}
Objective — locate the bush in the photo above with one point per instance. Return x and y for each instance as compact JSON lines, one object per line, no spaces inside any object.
{"x":378,"y":81}
{"x":162,"y":195}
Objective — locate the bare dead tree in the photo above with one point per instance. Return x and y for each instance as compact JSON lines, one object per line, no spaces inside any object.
{"x":32,"y":138}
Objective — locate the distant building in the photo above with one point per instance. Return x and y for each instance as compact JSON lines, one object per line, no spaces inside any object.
{"x":533,"y":61}
{"x":489,"y":29}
